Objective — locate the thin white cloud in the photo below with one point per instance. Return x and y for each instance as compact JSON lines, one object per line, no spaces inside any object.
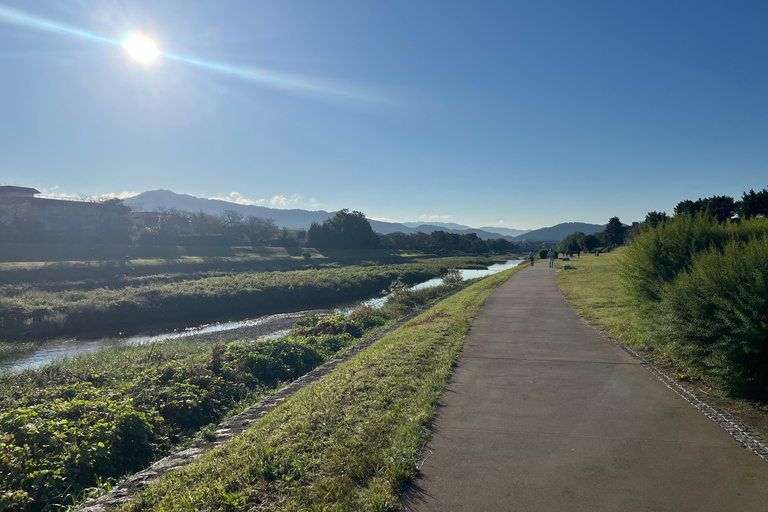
{"x":381,"y":219}
{"x":111,"y":195}
{"x":497,"y":224}
{"x":278,"y":200}
{"x":434,"y":217}
{"x":238,"y":198}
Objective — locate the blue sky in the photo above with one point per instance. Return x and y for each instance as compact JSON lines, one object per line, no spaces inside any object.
{"x":519,"y":114}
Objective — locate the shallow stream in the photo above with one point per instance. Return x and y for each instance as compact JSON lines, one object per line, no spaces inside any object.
{"x":262,"y":327}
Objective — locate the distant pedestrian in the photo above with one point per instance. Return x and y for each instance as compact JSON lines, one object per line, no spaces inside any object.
{"x":551,"y":256}
{"x":532,"y":255}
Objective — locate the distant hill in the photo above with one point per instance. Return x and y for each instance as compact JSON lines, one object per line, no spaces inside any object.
{"x":292,"y":219}
{"x":560,"y":231}
{"x":442,"y":225}
{"x":505,"y":231}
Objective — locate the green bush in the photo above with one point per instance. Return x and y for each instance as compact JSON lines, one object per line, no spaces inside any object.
{"x":716,"y":316}
{"x":656,"y":257}
{"x":543,"y":254}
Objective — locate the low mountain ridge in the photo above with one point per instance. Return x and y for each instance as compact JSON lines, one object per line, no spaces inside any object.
{"x":303,"y":219}
{"x":559,"y":231}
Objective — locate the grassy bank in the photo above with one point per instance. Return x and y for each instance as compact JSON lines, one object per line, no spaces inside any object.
{"x":224,"y":259}
{"x":71,"y":425}
{"x":594,"y":290}
{"x":34,"y":311}
{"x":347,"y":442}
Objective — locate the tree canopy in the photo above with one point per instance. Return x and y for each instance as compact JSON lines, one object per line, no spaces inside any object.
{"x":344,"y":230}
{"x":614,"y":232}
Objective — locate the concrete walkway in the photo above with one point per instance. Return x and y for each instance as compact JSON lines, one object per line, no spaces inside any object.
{"x":542,"y":414}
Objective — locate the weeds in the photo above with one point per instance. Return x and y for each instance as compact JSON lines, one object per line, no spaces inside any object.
{"x":70,"y":425}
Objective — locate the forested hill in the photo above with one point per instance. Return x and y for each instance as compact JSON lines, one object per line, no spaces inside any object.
{"x":560,"y":231}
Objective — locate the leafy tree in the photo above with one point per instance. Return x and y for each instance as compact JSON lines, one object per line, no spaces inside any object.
{"x":344,"y":230}
{"x":571,"y":243}
{"x":753,"y":204}
{"x":589,"y":243}
{"x":687,"y":207}
{"x":444,"y":241}
{"x":614,"y":232}
{"x":720,"y":207}
{"x":653,"y":219}
{"x":501,"y":246}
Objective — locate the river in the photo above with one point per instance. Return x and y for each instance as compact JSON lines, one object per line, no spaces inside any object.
{"x":262,"y":327}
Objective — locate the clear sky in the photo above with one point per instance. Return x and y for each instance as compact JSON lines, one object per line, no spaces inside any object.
{"x":521,"y":114}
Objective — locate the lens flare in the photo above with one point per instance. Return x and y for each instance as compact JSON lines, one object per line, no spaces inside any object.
{"x":144,"y":50}
{"x":141,"y":48}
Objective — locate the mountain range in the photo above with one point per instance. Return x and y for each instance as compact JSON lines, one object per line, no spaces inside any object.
{"x":303,"y":219}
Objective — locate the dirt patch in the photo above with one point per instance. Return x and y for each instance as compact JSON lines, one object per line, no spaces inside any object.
{"x":431,"y":319}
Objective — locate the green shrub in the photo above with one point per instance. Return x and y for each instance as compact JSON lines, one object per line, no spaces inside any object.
{"x":716,"y":316}
{"x":543,"y":254}
{"x":453,"y":278}
{"x":656,"y":257}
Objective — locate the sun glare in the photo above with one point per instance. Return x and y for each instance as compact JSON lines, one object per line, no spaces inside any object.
{"x":140,"y":48}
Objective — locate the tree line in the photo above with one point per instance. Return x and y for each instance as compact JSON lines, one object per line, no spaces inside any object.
{"x":116,"y":224}
{"x":612,"y":236}
{"x":180,"y":227}
{"x":352,"y":230}
{"x":720,"y":208}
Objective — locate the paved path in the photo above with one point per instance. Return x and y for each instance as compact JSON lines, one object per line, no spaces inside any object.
{"x":543,"y":414}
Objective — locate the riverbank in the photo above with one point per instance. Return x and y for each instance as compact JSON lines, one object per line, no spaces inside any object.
{"x":124,"y":304}
{"x":72,"y":425}
{"x":347,"y":442}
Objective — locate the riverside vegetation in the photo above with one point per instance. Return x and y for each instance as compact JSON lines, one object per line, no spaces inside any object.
{"x":75,"y":425}
{"x":694,"y":288}
{"x":93,"y":303}
{"x":350,"y":441}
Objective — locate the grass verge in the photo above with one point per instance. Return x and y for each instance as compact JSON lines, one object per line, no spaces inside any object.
{"x":70,"y":428}
{"x":593,"y":289}
{"x":347,"y":442}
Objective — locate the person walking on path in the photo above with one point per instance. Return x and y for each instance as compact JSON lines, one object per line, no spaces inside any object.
{"x":551,"y":256}
{"x":532,"y":255}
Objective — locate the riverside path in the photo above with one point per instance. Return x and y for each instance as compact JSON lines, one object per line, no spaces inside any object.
{"x":543,"y":414}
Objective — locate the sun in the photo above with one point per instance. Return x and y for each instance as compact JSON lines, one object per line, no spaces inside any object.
{"x":141,"y":48}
